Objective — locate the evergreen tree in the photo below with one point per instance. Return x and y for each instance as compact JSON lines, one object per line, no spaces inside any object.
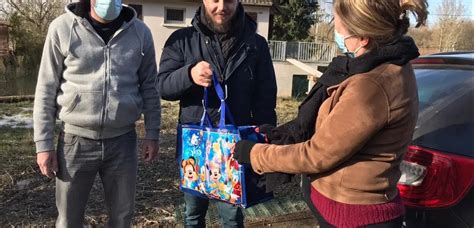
{"x":294,"y":19}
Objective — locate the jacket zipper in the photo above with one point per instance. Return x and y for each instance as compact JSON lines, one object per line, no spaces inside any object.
{"x":230,"y":71}
{"x":213,"y":55}
{"x":104,"y":92}
{"x":107,"y":71}
{"x":250,"y":72}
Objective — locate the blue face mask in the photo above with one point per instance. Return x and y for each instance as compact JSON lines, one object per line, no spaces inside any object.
{"x":341,"y":44}
{"x":108,"y":10}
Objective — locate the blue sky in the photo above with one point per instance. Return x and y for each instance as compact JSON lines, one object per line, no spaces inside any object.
{"x":433,"y":9}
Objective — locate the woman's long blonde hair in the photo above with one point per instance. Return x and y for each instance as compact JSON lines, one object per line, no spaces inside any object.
{"x":382,"y":21}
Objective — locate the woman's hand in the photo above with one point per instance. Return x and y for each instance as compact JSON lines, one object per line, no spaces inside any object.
{"x":242,"y":151}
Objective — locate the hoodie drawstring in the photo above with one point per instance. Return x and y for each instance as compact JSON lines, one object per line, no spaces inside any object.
{"x":74,"y":21}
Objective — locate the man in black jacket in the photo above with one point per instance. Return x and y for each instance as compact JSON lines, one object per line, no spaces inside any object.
{"x":223,"y":40}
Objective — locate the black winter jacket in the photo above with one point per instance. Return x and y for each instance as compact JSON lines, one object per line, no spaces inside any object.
{"x":248,"y":74}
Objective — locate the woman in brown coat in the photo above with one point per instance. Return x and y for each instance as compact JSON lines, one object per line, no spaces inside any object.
{"x":363,"y":128}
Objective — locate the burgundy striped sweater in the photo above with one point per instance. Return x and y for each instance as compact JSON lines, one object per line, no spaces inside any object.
{"x":350,"y":215}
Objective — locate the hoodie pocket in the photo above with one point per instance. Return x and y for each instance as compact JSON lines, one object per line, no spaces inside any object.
{"x":72,"y":104}
{"x":84,"y":110}
{"x":122,"y":110}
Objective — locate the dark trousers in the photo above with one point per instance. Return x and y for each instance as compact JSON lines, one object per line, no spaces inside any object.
{"x":80,"y":160}
{"x":196,"y":209}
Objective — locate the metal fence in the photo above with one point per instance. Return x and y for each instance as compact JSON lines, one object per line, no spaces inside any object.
{"x":277,"y":50}
{"x":302,"y":51}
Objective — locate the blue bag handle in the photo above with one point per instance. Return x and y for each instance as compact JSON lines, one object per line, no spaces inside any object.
{"x":205,"y":119}
{"x":224,"y":109}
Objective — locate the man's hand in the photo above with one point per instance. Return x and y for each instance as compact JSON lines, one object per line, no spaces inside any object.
{"x":201,"y":74}
{"x":149,"y":150}
{"x":47,"y":162}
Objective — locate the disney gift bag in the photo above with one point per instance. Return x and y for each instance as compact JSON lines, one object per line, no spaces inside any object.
{"x":207,"y":167}
{"x":192,"y":164}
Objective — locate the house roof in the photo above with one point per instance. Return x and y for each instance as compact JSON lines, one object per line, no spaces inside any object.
{"x":257,"y":2}
{"x":267,"y":3}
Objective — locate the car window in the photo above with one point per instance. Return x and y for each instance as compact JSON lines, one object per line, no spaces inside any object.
{"x":434,"y":84}
{"x":446,"y":117}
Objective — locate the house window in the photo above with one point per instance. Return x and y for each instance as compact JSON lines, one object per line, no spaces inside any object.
{"x":253,"y":15}
{"x":138,"y":9}
{"x":174,"y":16}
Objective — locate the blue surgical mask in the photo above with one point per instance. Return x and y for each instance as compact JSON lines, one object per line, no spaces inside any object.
{"x":108,"y":10}
{"x":341,"y":44}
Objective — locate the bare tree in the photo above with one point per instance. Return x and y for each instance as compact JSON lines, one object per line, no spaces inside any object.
{"x":321,"y":29}
{"x":465,"y":39}
{"x":447,"y":29}
{"x":37,"y":12}
{"x":423,"y":37}
{"x":28,"y":24}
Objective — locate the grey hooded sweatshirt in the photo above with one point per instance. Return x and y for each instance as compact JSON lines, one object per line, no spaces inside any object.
{"x":97,"y":89}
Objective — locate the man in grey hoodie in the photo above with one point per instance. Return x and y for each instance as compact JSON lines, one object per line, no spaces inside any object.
{"x":97,"y":75}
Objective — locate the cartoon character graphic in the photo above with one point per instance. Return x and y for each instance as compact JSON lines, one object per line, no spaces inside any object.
{"x":196,"y":139}
{"x":193,"y":145}
{"x":233,"y":176}
{"x":216,"y":149}
{"x":228,"y":144}
{"x":217,"y":183}
{"x":222,"y":170}
{"x":202,"y":179}
{"x":189,"y":169}
{"x":215,"y":173}
{"x":236,"y":190}
{"x":210,"y":168}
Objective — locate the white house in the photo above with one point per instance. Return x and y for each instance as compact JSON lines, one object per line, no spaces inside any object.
{"x":165,"y":16}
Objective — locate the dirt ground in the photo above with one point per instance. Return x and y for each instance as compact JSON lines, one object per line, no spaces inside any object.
{"x":27,"y":198}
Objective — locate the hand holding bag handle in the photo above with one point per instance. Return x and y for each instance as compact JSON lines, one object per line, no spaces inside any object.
{"x":224,"y":109}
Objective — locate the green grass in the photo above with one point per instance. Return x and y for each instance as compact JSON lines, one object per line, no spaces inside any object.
{"x":17,"y":154}
{"x":170,"y":115}
{"x":287,"y":109}
{"x":10,"y":109}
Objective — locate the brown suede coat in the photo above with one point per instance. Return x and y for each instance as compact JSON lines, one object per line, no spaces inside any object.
{"x":362,"y":132}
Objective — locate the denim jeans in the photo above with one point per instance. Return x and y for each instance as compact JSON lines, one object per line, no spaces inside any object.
{"x":79,"y":161}
{"x":196,"y":208}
